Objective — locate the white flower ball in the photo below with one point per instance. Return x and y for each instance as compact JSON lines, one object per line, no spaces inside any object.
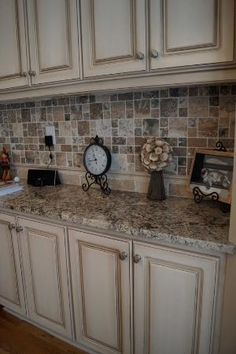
{"x":156,"y":154}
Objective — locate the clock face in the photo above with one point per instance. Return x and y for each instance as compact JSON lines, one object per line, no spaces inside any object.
{"x":97,"y":159}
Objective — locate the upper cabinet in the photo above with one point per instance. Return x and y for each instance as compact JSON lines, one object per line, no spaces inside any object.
{"x":138,"y":42}
{"x":51,"y":29}
{"x":113,"y":36}
{"x":190,"y":32}
{"x":13,"y":58}
{"x":53,"y":40}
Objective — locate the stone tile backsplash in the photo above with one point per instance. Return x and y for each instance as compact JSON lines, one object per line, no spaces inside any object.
{"x":187,"y":117}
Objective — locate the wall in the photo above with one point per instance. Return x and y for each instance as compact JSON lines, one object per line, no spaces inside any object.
{"x":187,"y":117}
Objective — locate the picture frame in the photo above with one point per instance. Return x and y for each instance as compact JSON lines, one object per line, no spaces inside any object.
{"x":212,"y":172}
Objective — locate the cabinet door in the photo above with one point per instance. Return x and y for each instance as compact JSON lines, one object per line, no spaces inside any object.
{"x":101,"y":292}
{"x":53,"y":38}
{"x":11,"y":287}
{"x":13,"y":58}
{"x":113,"y":36}
{"x":190,"y":32}
{"x":174,"y":301}
{"x":44,"y":261}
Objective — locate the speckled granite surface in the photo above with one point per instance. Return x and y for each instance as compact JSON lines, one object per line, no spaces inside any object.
{"x":176,"y":220}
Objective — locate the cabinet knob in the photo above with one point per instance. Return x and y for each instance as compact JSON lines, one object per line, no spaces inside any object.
{"x":23,"y":74}
{"x":154,"y":53}
{"x":137,"y":258}
{"x":140,"y":56}
{"x":32,"y":73}
{"x":11,"y":226}
{"x":19,"y":228}
{"x":123,"y":256}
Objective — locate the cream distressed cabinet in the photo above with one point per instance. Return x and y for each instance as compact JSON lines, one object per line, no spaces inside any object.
{"x":53,"y":40}
{"x":11,"y":284}
{"x":190,"y":32}
{"x":101,"y":283}
{"x":113,"y":36}
{"x":46,"y":278}
{"x":181,"y":33}
{"x":39,"y":42}
{"x":13,"y":58}
{"x":175,"y":296}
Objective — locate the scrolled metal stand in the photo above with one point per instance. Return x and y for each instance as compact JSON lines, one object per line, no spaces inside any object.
{"x":198,"y":195}
{"x":220,"y":146}
{"x":100,"y":180}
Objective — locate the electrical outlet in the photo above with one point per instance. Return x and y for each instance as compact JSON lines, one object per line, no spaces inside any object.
{"x":50,"y":130}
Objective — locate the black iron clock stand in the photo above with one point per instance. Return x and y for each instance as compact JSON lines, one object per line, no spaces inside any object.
{"x":100,"y":180}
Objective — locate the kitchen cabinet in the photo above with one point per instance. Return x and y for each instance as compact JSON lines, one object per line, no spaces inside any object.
{"x":101,"y":283}
{"x":53,"y":40}
{"x":70,"y":46}
{"x":11,"y":284}
{"x":51,"y":29}
{"x":113,"y":36}
{"x":13,"y":58}
{"x":175,"y":295}
{"x":46,"y":278}
{"x":118,"y":292}
{"x":182,"y":33}
{"x":189,"y":32}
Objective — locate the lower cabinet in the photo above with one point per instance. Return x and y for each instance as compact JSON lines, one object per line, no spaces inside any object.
{"x":101,"y":283}
{"x":174,"y":301}
{"x":11,"y":285}
{"x":46,"y":278}
{"x":128,"y":297}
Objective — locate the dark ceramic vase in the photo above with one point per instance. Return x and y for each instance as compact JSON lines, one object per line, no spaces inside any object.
{"x":156,"y":188}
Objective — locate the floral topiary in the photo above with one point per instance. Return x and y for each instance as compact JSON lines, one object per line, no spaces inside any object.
{"x":156,"y":154}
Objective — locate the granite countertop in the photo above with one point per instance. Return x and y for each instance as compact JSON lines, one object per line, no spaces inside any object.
{"x":173,"y":221}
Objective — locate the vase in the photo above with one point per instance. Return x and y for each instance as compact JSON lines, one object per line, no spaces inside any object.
{"x":156,"y":188}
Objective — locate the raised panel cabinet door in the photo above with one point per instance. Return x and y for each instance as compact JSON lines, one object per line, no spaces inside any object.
{"x":13,"y":58}
{"x":175,"y":296}
{"x":101,"y":292}
{"x":53,"y":39}
{"x":189,"y":32}
{"x":11,"y":286}
{"x":113,"y":36}
{"x":46,"y":277}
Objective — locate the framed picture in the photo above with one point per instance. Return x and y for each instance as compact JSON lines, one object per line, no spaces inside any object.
{"x":212,"y":171}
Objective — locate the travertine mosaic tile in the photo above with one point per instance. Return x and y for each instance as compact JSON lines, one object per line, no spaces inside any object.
{"x":187,"y":117}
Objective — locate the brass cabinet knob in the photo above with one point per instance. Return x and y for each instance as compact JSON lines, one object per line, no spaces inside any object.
{"x":32,"y":73}
{"x":24,"y":74}
{"x":11,"y":226}
{"x":140,"y":56}
{"x":154,"y":53}
{"x":137,"y":258}
{"x":123,"y":256}
{"x":19,"y":228}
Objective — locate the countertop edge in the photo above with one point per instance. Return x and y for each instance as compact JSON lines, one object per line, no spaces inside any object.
{"x":130,"y":233}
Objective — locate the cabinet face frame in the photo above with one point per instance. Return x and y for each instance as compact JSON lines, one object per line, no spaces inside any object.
{"x":56,"y":73}
{"x":187,"y":262}
{"x":18,"y":306}
{"x":198,"y":274}
{"x":20,"y":78}
{"x":216,"y":38}
{"x":121,"y":281}
{"x":118,"y":295}
{"x":56,"y":236}
{"x":200,"y":56}
{"x":133,"y":40}
{"x":114,"y":64}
